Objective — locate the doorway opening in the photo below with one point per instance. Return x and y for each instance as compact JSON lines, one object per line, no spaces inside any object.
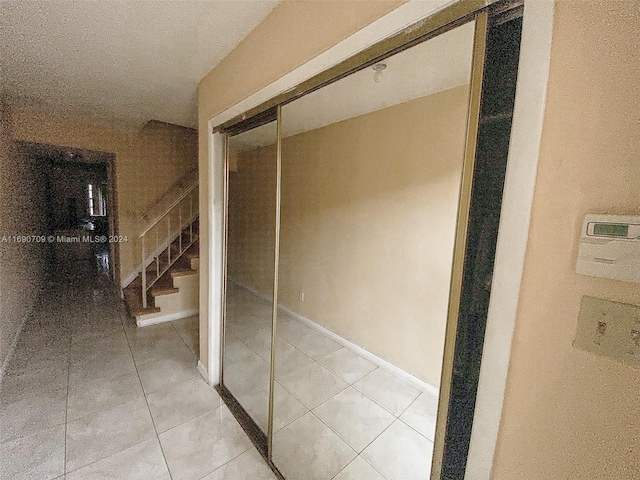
{"x":79,"y":191}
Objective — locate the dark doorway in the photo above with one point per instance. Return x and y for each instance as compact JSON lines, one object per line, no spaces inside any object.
{"x":79,"y":197}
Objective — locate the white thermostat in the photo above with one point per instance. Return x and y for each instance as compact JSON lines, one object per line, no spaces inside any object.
{"x":610,"y":247}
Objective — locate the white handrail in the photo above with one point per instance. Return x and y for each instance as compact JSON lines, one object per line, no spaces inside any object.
{"x":187,"y":179}
{"x":166,"y":211}
{"x":146,"y":284}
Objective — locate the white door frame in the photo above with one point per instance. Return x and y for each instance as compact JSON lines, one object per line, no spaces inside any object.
{"x":520,"y":179}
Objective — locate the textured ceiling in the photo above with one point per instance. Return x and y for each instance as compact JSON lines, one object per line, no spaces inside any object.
{"x":118,"y":63}
{"x":438,"y":64}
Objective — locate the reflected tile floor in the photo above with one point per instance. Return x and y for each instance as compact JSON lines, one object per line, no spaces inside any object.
{"x":88,"y":395}
{"x":337,"y":415}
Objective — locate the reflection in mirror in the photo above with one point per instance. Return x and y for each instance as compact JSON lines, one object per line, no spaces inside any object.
{"x":250,"y":257}
{"x":371,"y":171}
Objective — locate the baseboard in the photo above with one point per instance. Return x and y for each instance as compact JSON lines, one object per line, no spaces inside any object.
{"x":145,"y":322}
{"x":14,"y":344}
{"x":363,"y":352}
{"x":203,"y":371}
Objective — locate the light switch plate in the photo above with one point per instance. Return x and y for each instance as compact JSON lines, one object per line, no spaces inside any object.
{"x":609,"y":328}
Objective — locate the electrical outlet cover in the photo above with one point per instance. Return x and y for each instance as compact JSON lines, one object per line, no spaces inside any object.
{"x":610,"y":329}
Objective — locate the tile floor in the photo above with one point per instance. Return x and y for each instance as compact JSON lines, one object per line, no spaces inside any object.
{"x":88,"y":395}
{"x":337,"y":415}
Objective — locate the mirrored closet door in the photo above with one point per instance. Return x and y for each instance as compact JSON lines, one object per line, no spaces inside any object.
{"x":251,"y":159}
{"x":371,"y":175}
{"x":361,"y":219}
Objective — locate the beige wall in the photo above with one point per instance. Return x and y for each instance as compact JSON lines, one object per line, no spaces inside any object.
{"x":22,"y":212}
{"x":252,"y":207}
{"x":569,"y":414}
{"x":148,"y":162}
{"x":292,"y":34}
{"x":368,"y":218}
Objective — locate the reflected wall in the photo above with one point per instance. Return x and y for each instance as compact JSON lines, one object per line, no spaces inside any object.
{"x":249,"y":281}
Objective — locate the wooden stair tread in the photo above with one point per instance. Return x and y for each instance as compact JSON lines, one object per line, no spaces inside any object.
{"x":156,"y":292}
{"x":181,"y":272}
{"x":164,"y":285}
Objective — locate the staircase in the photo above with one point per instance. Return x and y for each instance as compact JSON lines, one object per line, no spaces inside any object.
{"x":167,"y":287}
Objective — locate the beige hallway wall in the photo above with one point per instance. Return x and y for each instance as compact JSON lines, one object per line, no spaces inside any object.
{"x":22,"y":212}
{"x":368,"y":218}
{"x":148,"y":162}
{"x":569,"y":414}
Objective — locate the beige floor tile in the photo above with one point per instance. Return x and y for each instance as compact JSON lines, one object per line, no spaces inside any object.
{"x":312,"y":384}
{"x":143,"y":461}
{"x":32,"y":414}
{"x":391,"y":392}
{"x":259,"y":341}
{"x":289,"y":358}
{"x":291,"y":329}
{"x":167,"y":372}
{"x":235,"y":349}
{"x":182,"y":402}
{"x":246,"y":375}
{"x":358,"y":469}
{"x":100,"y":394}
{"x":355,"y":417}
{"x":102,"y":434}
{"x":400,"y":453}
{"x":250,"y":466}
{"x":95,"y":347}
{"x":188,"y":329}
{"x":286,"y":409}
{"x":348,"y":365}
{"x":421,"y":415}
{"x":156,"y":348}
{"x":37,"y":456}
{"x":84,"y":370}
{"x":198,"y":447}
{"x":29,"y":382}
{"x":309,"y":450}
{"x":316,"y":344}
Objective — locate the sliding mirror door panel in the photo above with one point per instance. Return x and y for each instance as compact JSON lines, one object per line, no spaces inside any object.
{"x":371,"y":175}
{"x":250,"y":266}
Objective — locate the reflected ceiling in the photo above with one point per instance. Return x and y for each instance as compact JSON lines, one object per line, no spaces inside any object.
{"x":438,"y":64}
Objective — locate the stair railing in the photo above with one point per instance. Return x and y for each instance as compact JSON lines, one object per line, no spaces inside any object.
{"x":187,"y":180}
{"x":171,"y":229}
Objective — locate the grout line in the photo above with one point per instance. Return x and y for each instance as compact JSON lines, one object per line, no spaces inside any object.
{"x":105,"y":458}
{"x":363,"y":459}
{"x":335,"y":433}
{"x":415,"y":430}
{"x":153,"y":422}
{"x":181,"y":338}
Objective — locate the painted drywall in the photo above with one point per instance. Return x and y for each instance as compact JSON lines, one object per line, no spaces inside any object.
{"x":22,"y":212}
{"x":251,"y":220}
{"x":368,"y":219}
{"x":148,"y":163}
{"x":567,"y":413}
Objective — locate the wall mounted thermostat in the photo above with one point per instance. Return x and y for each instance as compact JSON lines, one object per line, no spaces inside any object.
{"x":610,"y":247}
